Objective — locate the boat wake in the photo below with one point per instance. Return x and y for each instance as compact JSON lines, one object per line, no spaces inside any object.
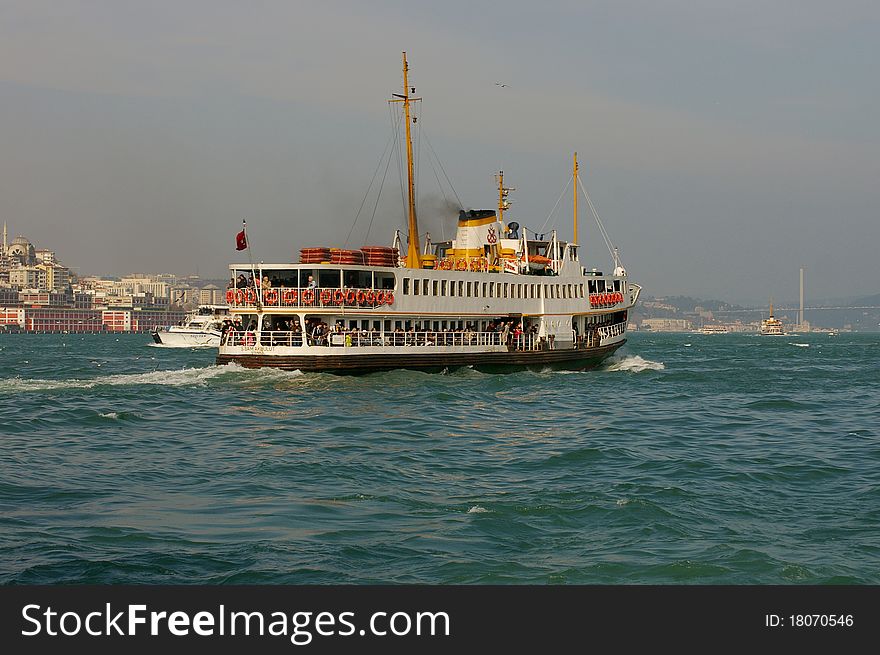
{"x":182,"y":345}
{"x":799,"y":345}
{"x":185,"y":377}
{"x":631,"y":364}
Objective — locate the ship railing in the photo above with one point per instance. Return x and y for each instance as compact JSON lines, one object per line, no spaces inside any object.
{"x":355,"y":338}
{"x":309,"y":297}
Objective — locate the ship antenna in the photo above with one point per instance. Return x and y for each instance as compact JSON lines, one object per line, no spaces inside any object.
{"x":413,"y":257}
{"x":574,"y":174}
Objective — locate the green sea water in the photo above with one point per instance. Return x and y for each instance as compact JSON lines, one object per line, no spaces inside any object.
{"x":685,"y":459}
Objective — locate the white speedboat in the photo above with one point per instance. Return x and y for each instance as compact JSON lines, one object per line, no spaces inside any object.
{"x":202,"y":328}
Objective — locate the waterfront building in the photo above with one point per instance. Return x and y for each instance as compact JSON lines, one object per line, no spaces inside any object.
{"x":667,"y":325}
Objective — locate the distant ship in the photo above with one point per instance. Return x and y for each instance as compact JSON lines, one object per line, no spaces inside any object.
{"x":495,"y":298}
{"x":713,"y":329}
{"x":771,"y":326}
{"x":202,"y":328}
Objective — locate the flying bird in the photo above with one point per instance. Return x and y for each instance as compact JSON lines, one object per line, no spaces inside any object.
{"x":500,"y":84}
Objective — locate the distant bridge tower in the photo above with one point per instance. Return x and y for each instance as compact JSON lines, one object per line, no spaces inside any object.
{"x":801,"y":312}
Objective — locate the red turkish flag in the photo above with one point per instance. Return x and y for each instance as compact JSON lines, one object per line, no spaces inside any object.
{"x":240,"y":241}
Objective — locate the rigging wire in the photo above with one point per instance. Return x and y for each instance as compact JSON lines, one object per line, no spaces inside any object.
{"x":378,"y":195}
{"x":431,"y":147}
{"x":443,"y":193}
{"x":364,"y":200}
{"x":602,"y":230}
{"x":550,"y":215}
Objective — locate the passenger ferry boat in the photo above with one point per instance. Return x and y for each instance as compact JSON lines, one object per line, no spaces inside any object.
{"x":713,"y":329}
{"x":202,"y":328}
{"x":495,"y":298}
{"x":771,"y":326}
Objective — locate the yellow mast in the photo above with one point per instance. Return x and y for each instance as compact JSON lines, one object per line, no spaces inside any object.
{"x":413,"y":257}
{"x":501,"y":197}
{"x":574,"y":174}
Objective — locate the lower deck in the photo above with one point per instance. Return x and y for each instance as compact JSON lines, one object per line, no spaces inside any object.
{"x":490,"y":358}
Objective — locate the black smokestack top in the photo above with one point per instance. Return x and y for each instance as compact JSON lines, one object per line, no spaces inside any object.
{"x":475,"y":213}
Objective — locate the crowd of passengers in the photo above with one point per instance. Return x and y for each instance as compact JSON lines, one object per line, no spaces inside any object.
{"x":279,"y":331}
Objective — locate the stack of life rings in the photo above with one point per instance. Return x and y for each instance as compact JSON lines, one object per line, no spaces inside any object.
{"x":308,"y":297}
{"x":605,"y":299}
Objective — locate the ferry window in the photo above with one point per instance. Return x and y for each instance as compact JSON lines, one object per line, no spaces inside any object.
{"x":416,"y":287}
{"x":353,"y":324}
{"x":436,"y":288}
{"x":443,"y":291}
{"x":444,"y":324}
{"x":406,"y":286}
{"x":385,"y":281}
{"x":376,"y":325}
{"x":452,"y":287}
{"x":460,"y":288}
{"x":617,"y":285}
{"x":358,"y":279}
{"x":407,"y":325}
{"x":436,"y":326}
{"x":557,"y":291}
{"x":398,"y":325}
{"x":469,"y":289}
{"x":304,"y":277}
{"x":387,"y":326}
{"x":485,"y":294}
{"x":365,"y":324}
{"x":425,"y":287}
{"x":328,"y":279}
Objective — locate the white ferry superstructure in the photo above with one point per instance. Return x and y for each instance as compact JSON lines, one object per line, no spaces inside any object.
{"x":495,"y":298}
{"x":772,"y":326}
{"x":202,"y":328}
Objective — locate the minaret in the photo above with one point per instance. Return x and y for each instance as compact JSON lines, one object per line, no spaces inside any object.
{"x":5,"y":246}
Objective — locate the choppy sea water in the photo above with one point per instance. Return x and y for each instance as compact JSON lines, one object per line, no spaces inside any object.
{"x":694,"y":459}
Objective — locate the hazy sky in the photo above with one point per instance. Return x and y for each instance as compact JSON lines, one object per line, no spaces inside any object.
{"x":724,"y":144}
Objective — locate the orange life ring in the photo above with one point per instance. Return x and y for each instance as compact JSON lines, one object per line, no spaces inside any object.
{"x":239,"y":297}
{"x":339,"y":296}
{"x":380,"y":297}
{"x":289,"y":296}
{"x":371,"y":297}
{"x":270,"y":296}
{"x":230,"y":296}
{"x":307,"y":297}
{"x":326,"y":296}
{"x":361,"y":297}
{"x":349,"y":297}
{"x":250,"y":296}
{"x":389,"y":298}
{"x":461,"y":265}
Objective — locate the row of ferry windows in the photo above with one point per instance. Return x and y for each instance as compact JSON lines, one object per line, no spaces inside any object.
{"x":470,"y":289}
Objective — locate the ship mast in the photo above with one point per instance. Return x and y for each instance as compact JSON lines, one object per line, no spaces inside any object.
{"x":501,"y":203}
{"x":574,"y":173}
{"x":413,"y":257}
